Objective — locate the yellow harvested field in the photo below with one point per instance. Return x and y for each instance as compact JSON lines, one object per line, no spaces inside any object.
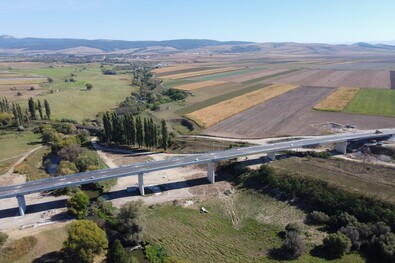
{"x":338,"y":100}
{"x":173,"y":68}
{"x":200,"y":85}
{"x":216,"y":113}
{"x":200,"y":73}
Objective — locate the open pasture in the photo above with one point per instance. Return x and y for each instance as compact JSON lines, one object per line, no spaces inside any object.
{"x":211,"y":115}
{"x":338,"y":100}
{"x":71,"y":99}
{"x":336,"y":78}
{"x":199,"y":73}
{"x":19,"y":91}
{"x":291,"y":114}
{"x":199,"y":85}
{"x":373,"y":102}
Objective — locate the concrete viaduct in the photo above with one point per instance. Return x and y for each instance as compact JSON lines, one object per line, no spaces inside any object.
{"x":211,"y":158}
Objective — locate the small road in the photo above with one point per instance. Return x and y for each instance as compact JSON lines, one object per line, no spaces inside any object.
{"x":147,"y":167}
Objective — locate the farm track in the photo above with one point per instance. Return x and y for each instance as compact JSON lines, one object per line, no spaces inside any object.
{"x":291,"y":114}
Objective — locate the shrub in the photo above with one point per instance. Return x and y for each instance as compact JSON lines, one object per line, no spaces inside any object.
{"x":352,"y":233}
{"x":294,"y":245}
{"x":155,"y":253}
{"x":3,"y":238}
{"x":337,"y":244}
{"x":318,"y":218}
{"x":118,"y":254}
{"x":293,"y":227}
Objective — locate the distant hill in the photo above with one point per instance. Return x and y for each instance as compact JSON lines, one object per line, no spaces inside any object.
{"x":31,"y":46}
{"x":9,"y":42}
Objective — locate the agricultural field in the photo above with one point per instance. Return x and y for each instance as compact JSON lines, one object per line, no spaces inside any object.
{"x":291,"y":114}
{"x":211,"y":115}
{"x":253,"y":75}
{"x":173,"y":68}
{"x":281,"y":115}
{"x":336,"y":78}
{"x":373,"y":102}
{"x":392,"y":78}
{"x":71,"y":99}
{"x":206,"y":71}
{"x":199,"y":85}
{"x":338,"y":100}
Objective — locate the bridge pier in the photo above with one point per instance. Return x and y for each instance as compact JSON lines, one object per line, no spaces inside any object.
{"x":21,"y":204}
{"x":272,"y":156}
{"x":141,"y":183}
{"x":211,"y":171}
{"x":341,"y":147}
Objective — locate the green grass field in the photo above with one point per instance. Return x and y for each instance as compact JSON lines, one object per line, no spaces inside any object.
{"x":73,"y":100}
{"x":373,"y":102}
{"x":225,"y":236}
{"x":14,"y":146}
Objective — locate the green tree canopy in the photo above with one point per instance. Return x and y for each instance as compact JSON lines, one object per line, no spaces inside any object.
{"x":78,"y":205}
{"x":131,"y":222}
{"x":117,"y":254}
{"x":85,"y":240}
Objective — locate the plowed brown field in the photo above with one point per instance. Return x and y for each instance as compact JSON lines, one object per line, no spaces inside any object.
{"x":336,"y":78}
{"x":253,"y":75}
{"x":291,"y":114}
{"x":211,"y":115}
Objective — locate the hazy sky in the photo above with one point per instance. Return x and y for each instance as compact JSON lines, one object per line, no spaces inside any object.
{"x":330,"y":21}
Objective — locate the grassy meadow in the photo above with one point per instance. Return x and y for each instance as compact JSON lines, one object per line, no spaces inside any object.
{"x":71,"y":99}
{"x":243,"y":227}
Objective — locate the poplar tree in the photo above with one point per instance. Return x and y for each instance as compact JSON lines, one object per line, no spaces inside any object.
{"x":107,"y":126}
{"x":47,"y":109}
{"x":32,"y":108}
{"x":40,"y":109}
{"x":165,"y":135}
{"x":146,"y":133}
{"x":139,"y":131}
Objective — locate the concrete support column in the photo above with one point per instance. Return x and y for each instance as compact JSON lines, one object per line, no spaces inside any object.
{"x":271,"y":156}
{"x":341,"y":147}
{"x":21,"y":204}
{"x":211,"y":171}
{"x":141,"y":183}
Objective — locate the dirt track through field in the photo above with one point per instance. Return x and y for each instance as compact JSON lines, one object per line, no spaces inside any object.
{"x":291,"y":114}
